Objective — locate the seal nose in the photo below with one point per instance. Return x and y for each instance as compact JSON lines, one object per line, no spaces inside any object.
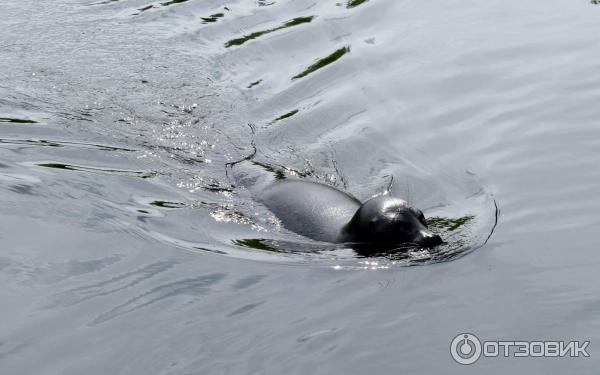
{"x":429,"y":239}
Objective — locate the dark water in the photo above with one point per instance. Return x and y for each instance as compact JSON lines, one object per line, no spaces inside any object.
{"x":126,"y":248}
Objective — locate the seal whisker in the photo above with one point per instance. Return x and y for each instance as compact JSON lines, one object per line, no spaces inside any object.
{"x":251,"y":156}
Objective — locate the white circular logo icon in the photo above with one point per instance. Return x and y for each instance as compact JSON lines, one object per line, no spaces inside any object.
{"x":465,"y":349}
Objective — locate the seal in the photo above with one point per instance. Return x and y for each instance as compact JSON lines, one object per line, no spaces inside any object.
{"x":324,"y":213}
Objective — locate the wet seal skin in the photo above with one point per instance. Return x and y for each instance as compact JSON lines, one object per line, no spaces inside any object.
{"x":324,"y":213}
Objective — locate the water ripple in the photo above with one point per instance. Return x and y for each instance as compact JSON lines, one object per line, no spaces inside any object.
{"x":186,"y":287}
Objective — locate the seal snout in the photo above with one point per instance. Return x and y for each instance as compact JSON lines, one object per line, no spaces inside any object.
{"x":429,"y":239}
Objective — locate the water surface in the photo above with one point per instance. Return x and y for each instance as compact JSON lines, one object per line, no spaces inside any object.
{"x":126,"y":248}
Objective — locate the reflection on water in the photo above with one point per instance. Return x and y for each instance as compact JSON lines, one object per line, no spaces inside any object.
{"x":283,"y":117}
{"x":258,"y":244}
{"x":106,"y":287}
{"x":193,"y":286}
{"x":56,"y":272}
{"x":71,"y":167}
{"x":448,"y":224}
{"x":53,"y":143}
{"x":17,"y":120}
{"x":355,"y":3}
{"x":333,"y":57}
{"x":252,"y":84}
{"x":212,"y":18}
{"x":171,"y":2}
{"x":164,"y":204}
{"x":294,"y":22}
{"x":143,"y":9}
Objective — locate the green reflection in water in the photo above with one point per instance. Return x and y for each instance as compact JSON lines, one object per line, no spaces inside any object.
{"x":167,"y":3}
{"x":448,"y":224}
{"x":152,"y":6}
{"x":212,"y":18}
{"x":279,"y":175}
{"x":257,"y":244}
{"x":254,"y":35}
{"x":80,"y":168}
{"x":17,"y":120}
{"x":166,"y":204}
{"x":252,"y":84}
{"x":355,"y":3}
{"x":282,"y":117}
{"x":145,"y":8}
{"x":323,"y":62}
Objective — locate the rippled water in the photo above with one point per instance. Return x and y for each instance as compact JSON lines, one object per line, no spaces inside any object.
{"x":128,"y":248}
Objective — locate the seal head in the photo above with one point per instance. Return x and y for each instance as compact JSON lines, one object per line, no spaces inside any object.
{"x":388,"y":221}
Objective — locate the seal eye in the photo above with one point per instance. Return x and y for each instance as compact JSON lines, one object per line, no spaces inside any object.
{"x":420,"y":216}
{"x":373,"y":223}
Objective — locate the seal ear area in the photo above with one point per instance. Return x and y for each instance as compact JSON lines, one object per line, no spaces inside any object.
{"x":373,"y":222}
{"x":361,"y":226}
{"x":420,"y":216}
